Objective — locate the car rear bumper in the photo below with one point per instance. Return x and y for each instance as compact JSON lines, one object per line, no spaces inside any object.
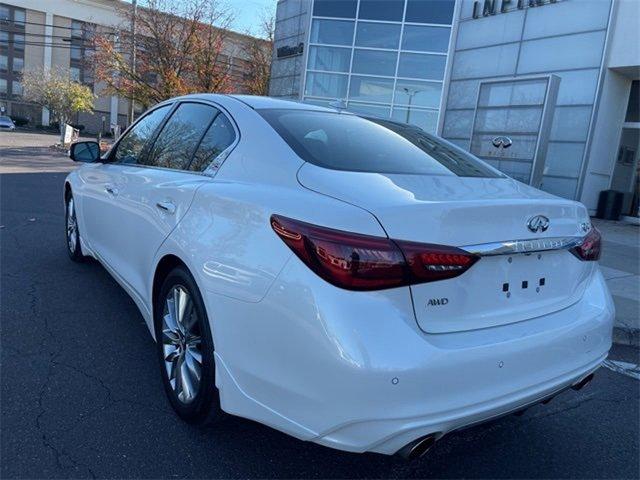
{"x":354,"y":372}
{"x":393,"y":434}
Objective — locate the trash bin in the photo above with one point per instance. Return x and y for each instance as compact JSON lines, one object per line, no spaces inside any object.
{"x":610,"y":205}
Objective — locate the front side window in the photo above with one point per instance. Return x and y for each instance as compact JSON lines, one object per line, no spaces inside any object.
{"x":129,"y":149}
{"x":218,"y":138}
{"x":348,"y":142}
{"x":180,"y":136}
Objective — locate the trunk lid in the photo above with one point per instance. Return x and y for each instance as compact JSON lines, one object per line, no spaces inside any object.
{"x":468,"y":211}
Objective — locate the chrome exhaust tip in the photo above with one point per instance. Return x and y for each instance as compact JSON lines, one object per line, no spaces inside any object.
{"x":583,"y":383}
{"x":418,"y":448}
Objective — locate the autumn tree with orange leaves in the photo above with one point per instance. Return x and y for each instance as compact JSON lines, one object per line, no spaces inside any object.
{"x":180,"y":49}
{"x":258,"y":52}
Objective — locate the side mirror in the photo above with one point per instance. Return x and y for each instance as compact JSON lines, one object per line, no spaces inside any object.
{"x":86,"y":152}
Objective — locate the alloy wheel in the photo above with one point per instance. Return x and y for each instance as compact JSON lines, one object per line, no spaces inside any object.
{"x":181,"y":343}
{"x":72,"y":226}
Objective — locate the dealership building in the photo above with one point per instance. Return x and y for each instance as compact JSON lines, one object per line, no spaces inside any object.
{"x":544,"y":90}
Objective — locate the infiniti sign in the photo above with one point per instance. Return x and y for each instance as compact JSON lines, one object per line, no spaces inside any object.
{"x":539,"y":223}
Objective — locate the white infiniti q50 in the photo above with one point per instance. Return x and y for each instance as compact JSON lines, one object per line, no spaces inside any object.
{"x":351,"y":281}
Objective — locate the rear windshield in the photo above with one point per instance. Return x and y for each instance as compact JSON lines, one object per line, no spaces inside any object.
{"x":348,"y":142}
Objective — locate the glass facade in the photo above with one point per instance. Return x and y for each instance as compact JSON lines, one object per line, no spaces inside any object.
{"x":384,"y":58}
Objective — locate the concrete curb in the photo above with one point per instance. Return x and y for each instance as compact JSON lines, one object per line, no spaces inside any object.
{"x":626,"y":336}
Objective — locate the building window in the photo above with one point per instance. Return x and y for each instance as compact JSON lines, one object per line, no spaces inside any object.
{"x":381,"y":10}
{"x":326,"y":85}
{"x":5,"y":14}
{"x":380,"y":35}
{"x":431,"y":11}
{"x":16,"y":88}
{"x":426,"y":38}
{"x":418,"y":65}
{"x":332,"y":59}
{"x":333,"y":32}
{"x":418,"y":94}
{"x":335,"y":8}
{"x":74,"y":74}
{"x":374,"y":62}
{"x":4,"y":62}
{"x":371,"y":89}
{"x":18,"y":41}
{"x":4,"y":38}
{"x":633,"y":107}
{"x":19,"y":17}
{"x":76,"y":53}
{"x":3,"y":86}
{"x":18,"y":65}
{"x":76,"y":29}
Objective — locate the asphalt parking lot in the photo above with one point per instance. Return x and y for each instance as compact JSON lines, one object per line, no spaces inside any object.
{"x":81,"y":394}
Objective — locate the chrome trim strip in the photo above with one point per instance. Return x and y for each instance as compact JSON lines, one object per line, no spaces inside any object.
{"x":531,"y":245}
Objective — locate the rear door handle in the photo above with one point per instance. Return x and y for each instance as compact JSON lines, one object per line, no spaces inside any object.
{"x":111,"y":190}
{"x":167,"y":206}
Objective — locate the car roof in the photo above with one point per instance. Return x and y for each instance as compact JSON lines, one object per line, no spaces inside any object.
{"x":258,"y":102}
{"x":255,"y":101}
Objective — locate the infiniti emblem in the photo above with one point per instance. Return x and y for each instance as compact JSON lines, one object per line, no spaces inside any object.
{"x":504,"y":142}
{"x":539,"y":223}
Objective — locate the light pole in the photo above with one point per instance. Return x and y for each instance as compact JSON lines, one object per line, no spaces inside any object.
{"x":411,"y":93}
{"x":134,"y":13}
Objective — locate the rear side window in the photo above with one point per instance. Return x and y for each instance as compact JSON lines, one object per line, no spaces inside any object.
{"x":218,"y":138}
{"x":180,"y":136}
{"x":129,"y":149}
{"x":348,"y":142}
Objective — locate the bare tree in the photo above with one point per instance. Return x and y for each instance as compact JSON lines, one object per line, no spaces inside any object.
{"x":179,"y":50}
{"x":258,"y":52}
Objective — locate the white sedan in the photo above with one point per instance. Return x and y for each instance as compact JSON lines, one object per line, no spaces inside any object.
{"x":351,"y":281}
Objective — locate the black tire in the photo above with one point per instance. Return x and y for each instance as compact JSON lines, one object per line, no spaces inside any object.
{"x":72,"y":233}
{"x":204,"y":407}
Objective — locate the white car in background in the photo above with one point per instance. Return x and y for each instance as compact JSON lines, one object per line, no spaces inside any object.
{"x":354,"y":282}
{"x":6,"y":123}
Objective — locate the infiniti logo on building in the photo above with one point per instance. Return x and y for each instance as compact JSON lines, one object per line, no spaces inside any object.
{"x":537,"y":224}
{"x":504,"y":142}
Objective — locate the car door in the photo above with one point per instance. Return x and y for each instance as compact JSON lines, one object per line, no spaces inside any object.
{"x":100,"y":185}
{"x":158,"y":191}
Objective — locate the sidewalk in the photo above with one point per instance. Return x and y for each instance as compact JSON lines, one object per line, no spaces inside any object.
{"x":620,"y":265}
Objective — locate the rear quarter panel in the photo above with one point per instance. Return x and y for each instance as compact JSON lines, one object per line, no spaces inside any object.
{"x":228,"y":239}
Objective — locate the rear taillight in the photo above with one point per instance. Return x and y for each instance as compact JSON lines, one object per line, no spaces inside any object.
{"x":589,"y":249}
{"x":363,"y":262}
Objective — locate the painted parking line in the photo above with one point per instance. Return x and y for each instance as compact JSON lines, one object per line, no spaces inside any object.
{"x":625,"y":368}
